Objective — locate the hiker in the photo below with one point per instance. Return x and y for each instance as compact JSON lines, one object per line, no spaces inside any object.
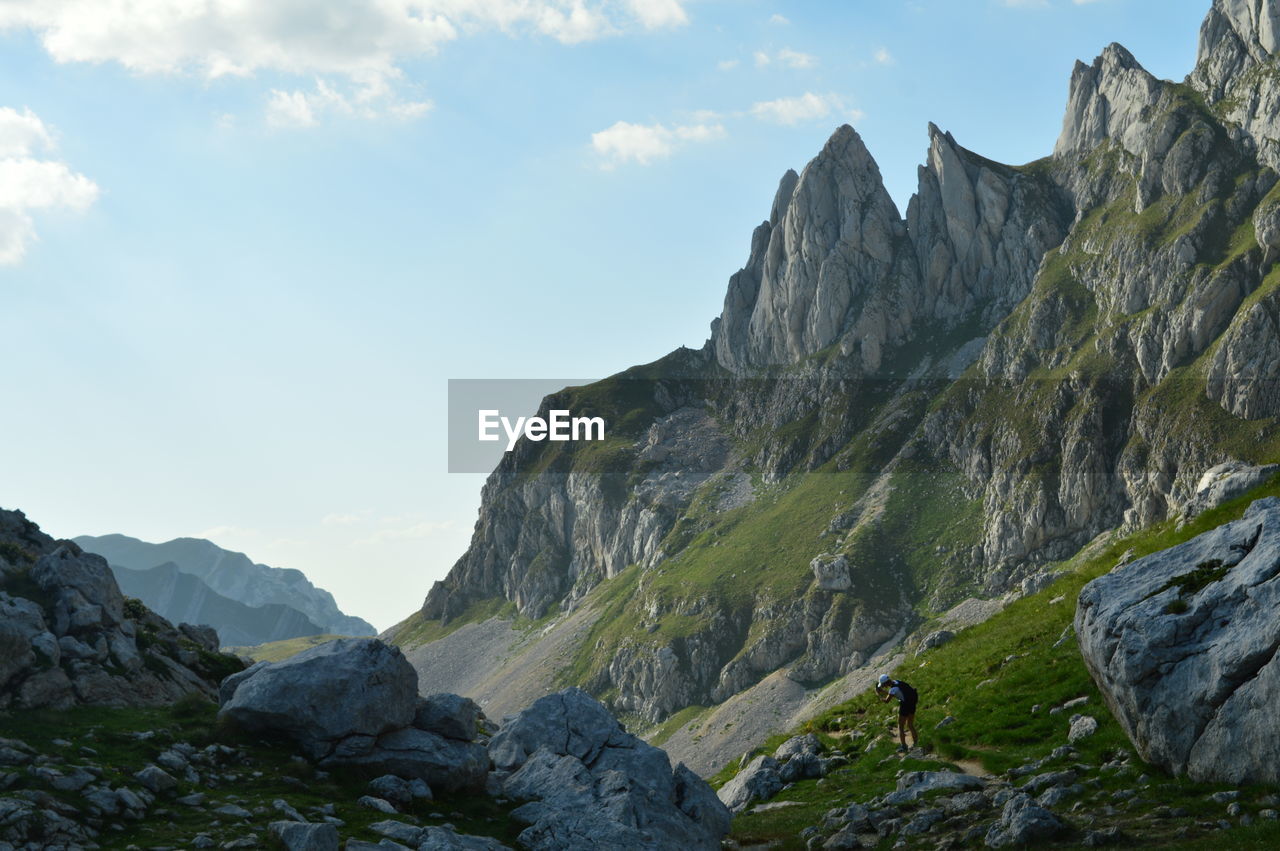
{"x":907,"y":698}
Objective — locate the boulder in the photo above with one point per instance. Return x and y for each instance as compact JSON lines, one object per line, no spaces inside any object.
{"x":1023,"y":822}
{"x":85,"y":591}
{"x":1082,"y":727}
{"x":1225,"y":482}
{"x":229,"y":685}
{"x":1182,"y":644}
{"x":344,"y":688}
{"x":449,"y":715}
{"x":298,"y":836}
{"x":589,"y":783}
{"x":203,"y":635}
{"x":399,"y":791}
{"x":935,"y":639}
{"x":796,"y":745}
{"x":759,"y":781}
{"x":443,"y":764}
{"x":915,"y":784}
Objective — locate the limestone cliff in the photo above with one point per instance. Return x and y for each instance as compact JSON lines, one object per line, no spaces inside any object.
{"x":895,"y":412}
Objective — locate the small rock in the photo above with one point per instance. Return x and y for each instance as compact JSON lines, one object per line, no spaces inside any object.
{"x":1082,"y":727}
{"x":156,"y":779}
{"x":379,"y":804}
{"x":398,"y":831}
{"x":299,"y":836}
{"x":233,"y":811}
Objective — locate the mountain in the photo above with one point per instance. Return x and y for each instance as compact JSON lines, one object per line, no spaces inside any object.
{"x":183,"y":598}
{"x":897,"y":414}
{"x":225,"y":584}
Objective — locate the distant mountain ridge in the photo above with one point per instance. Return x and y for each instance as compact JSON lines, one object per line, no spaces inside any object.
{"x":233,"y":582}
{"x":183,"y":598}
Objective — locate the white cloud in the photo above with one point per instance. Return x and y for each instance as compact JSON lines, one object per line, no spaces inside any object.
{"x":28,"y":184}
{"x":727,"y":64}
{"x":643,"y":144}
{"x":657,"y":14}
{"x":883,"y":56}
{"x":793,"y":110}
{"x":1026,"y":4}
{"x":779,"y":20}
{"x":362,"y":42}
{"x":795,"y":59}
{"x":299,"y":108}
{"x":786,"y":57}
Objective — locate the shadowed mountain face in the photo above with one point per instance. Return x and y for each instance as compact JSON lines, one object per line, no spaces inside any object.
{"x":183,"y":598}
{"x":287,"y":604}
{"x":894,"y":413}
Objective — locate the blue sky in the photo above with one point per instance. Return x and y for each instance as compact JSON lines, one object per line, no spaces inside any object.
{"x":244,"y":249}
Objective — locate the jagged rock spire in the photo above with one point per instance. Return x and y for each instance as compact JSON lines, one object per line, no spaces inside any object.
{"x":1236,"y":36}
{"x":1110,"y":99}
{"x":837,"y":265}
{"x":828,"y":242}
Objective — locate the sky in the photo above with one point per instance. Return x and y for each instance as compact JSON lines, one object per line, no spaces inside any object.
{"x":244,"y":246}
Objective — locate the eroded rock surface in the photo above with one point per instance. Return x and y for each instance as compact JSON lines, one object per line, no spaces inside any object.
{"x":1182,"y":644}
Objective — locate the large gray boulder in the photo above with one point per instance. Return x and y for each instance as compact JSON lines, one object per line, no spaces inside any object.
{"x":589,"y":783}
{"x":1182,"y":644}
{"x":449,"y":715}
{"x":760,"y":780}
{"x":444,"y":764}
{"x":350,"y":687}
{"x":1224,"y":482}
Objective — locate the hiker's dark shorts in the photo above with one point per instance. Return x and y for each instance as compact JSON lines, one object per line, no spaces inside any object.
{"x":907,"y":707}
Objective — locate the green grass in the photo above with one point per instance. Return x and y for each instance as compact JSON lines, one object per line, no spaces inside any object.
{"x":989,"y":678}
{"x":416,"y":630}
{"x":276,"y":651}
{"x":258,"y":778}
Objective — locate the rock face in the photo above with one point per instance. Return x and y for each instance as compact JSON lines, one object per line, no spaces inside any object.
{"x":1039,"y":354}
{"x":348,"y":687}
{"x":1182,"y":644}
{"x":354,"y":702}
{"x":67,"y":635}
{"x":220,"y":573}
{"x":589,"y":783}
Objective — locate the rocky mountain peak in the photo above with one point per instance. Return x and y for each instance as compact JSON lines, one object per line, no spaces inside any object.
{"x":1236,"y":36}
{"x":1113,"y":98}
{"x":828,"y":242}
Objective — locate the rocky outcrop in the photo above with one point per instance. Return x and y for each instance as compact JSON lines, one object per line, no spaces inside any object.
{"x":589,"y":783}
{"x":354,"y":703}
{"x":1236,"y":69}
{"x":1182,"y":644}
{"x":68,"y":636}
{"x":226,"y":574}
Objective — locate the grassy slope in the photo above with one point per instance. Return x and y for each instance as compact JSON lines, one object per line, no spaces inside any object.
{"x":275,"y":651}
{"x":989,"y":678}
{"x":258,"y":780}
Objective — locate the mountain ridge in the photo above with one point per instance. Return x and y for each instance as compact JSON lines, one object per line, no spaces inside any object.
{"x":234,"y":576}
{"x":895,"y":413}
